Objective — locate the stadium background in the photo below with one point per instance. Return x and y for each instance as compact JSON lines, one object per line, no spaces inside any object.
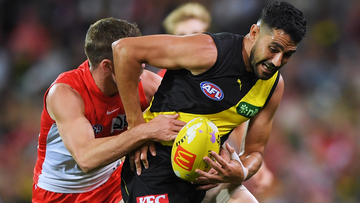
{"x":314,"y":146}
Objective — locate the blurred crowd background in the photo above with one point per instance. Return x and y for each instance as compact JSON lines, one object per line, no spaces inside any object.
{"x":314,"y":147}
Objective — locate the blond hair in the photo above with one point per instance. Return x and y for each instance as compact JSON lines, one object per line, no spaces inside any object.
{"x":185,"y":12}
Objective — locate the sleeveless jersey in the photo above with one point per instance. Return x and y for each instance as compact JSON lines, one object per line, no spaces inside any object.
{"x":55,"y":168}
{"x":226,"y":93}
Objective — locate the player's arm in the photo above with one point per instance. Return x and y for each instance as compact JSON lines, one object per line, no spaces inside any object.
{"x":263,"y":178}
{"x":236,"y":137}
{"x":196,"y":53}
{"x":150,"y":82}
{"x":66,"y":107}
{"x":259,"y":132}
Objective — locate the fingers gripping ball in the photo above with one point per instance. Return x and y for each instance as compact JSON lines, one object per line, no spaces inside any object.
{"x":195,"y":140}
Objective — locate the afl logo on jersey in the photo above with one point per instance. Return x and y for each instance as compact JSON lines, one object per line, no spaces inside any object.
{"x":97,"y":128}
{"x":212,"y":91}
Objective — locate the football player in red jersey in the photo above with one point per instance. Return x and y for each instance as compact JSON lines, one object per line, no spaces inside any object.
{"x":83,"y":124}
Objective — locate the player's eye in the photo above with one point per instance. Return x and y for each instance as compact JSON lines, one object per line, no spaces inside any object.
{"x":272,"y":50}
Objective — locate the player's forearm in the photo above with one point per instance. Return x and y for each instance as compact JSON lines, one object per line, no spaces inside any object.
{"x":127,"y":71}
{"x":102,"y":151}
{"x":251,"y":162}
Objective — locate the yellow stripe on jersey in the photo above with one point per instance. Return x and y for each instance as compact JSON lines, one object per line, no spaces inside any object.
{"x":258,"y":95}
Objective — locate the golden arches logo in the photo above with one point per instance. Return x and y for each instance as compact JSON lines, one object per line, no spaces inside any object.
{"x":184,"y":158}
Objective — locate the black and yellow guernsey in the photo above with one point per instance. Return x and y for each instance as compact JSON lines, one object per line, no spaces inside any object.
{"x":227,"y":93}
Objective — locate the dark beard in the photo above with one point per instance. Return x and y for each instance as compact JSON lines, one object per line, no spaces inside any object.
{"x":253,"y":65}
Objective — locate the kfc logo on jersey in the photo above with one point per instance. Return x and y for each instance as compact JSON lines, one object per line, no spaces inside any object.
{"x":153,"y":199}
{"x":97,"y":128}
{"x":212,"y":91}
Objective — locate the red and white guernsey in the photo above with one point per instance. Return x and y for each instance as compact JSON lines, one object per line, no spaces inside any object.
{"x":55,"y":169}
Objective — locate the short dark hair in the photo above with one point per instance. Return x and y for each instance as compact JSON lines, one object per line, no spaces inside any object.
{"x":102,"y":34}
{"x":284,"y":16}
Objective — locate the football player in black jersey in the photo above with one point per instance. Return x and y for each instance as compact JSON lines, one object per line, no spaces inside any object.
{"x":244,"y":68}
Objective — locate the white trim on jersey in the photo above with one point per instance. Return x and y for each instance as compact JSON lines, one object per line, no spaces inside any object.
{"x":60,"y":173}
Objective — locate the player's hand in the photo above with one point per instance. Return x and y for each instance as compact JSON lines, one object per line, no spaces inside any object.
{"x":207,"y":186}
{"x":140,"y":156}
{"x":227,"y":170}
{"x":161,"y":128}
{"x":225,"y":155}
{"x":164,"y":127}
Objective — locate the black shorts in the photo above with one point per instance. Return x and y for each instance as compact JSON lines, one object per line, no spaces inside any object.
{"x":158,"y":183}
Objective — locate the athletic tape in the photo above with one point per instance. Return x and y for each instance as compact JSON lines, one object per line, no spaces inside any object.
{"x":234,"y":156}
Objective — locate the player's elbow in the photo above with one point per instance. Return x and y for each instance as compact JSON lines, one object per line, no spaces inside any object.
{"x":255,"y":154}
{"x":119,"y":46}
{"x":85,"y":164}
{"x":116,"y":45}
{"x":86,"y":168}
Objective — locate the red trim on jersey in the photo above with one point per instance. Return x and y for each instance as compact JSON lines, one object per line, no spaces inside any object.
{"x":161,"y":72}
{"x":109,"y":192}
{"x":143,"y":101}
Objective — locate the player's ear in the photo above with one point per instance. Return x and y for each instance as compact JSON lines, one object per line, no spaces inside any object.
{"x":107,"y":65}
{"x":254,"y":32}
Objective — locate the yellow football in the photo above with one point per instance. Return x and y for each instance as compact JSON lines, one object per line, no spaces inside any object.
{"x":195,"y":140}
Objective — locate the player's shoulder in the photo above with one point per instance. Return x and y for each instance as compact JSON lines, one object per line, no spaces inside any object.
{"x":224,"y":35}
{"x":276,"y":96}
{"x":280,"y":83}
{"x":150,"y":82}
{"x":62,"y":99}
{"x":149,"y":77}
{"x":62,"y":90}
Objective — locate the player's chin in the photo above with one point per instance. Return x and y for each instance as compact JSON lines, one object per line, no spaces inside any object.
{"x":263,"y":73}
{"x":266,"y":75}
